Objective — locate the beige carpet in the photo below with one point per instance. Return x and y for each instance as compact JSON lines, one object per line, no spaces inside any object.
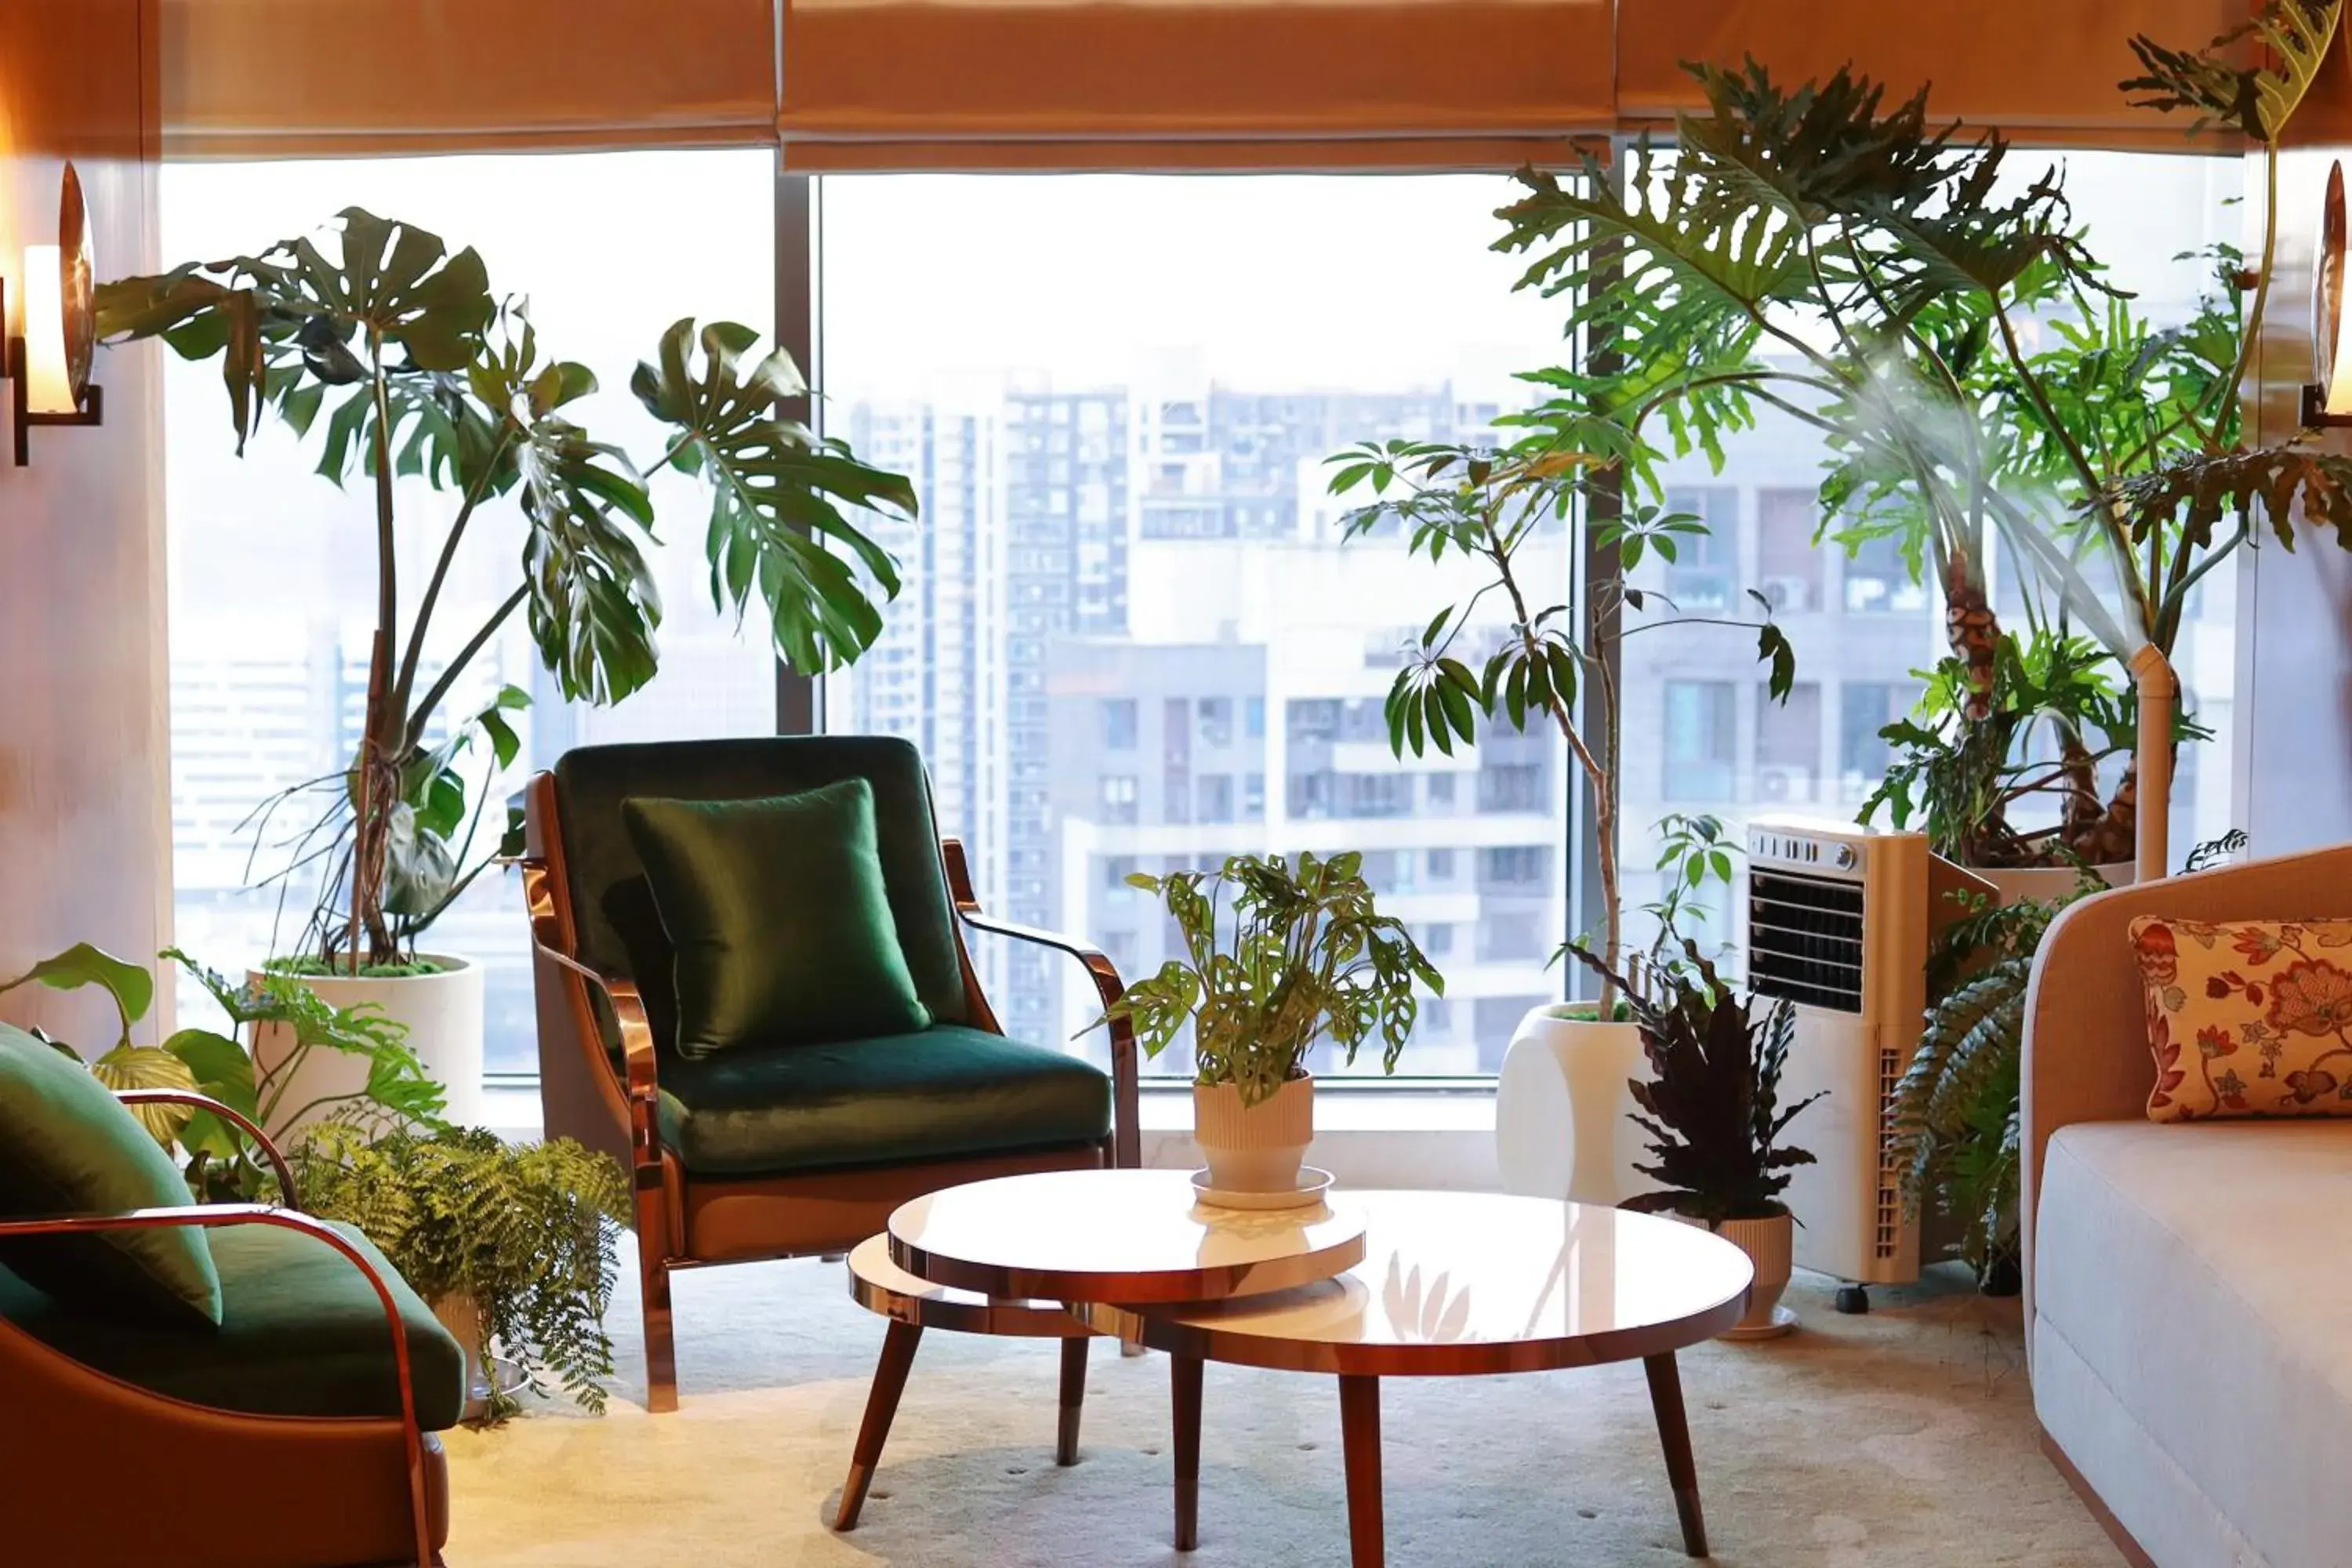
{"x":1903,"y":1439}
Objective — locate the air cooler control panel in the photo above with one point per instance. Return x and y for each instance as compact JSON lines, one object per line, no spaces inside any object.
{"x":1792,"y":846}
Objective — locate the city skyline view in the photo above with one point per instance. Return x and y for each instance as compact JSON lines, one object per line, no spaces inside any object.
{"x":1129,"y":637}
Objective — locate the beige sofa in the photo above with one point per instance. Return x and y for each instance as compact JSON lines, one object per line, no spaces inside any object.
{"x":2188,"y":1287}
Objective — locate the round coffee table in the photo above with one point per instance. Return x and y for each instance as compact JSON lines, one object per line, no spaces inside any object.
{"x":1461,"y":1284}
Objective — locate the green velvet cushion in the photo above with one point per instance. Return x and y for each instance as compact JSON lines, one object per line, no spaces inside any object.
{"x":68,"y":1146}
{"x":619,"y":931}
{"x":302,"y":1333}
{"x":944,"y":1092}
{"x":778,"y":917}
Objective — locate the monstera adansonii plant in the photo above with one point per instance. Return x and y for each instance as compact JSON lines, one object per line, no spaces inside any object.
{"x":1883,"y":281}
{"x":394,"y":352}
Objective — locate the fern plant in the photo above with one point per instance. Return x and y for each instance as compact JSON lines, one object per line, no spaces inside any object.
{"x":1711,"y":1106}
{"x":526,"y":1230}
{"x":1956,"y":1108}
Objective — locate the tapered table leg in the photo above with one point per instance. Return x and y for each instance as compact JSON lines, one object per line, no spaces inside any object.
{"x":1360,"y":1436}
{"x":881,"y":1403}
{"x":1674,"y":1431}
{"x":1184,"y":1389}
{"x":1074,"y":1397}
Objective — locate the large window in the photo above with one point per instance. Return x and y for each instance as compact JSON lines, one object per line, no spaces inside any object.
{"x":272,"y":578}
{"x":1117,"y":394}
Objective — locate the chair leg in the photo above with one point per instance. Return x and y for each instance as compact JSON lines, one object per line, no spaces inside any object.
{"x":881,"y":1405}
{"x":1074,"y":1397}
{"x":661,"y":1338}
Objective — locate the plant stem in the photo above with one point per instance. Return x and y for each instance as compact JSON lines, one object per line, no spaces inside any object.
{"x":424,"y":607}
{"x":422,"y":713}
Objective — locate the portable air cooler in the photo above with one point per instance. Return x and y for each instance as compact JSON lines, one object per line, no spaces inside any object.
{"x":1839,"y":920}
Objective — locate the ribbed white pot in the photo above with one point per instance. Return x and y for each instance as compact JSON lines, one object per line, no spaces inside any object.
{"x":2014,"y":885}
{"x":1770,"y":1245}
{"x":1253,"y":1148}
{"x":1564,"y":1108}
{"x":444,"y":1013}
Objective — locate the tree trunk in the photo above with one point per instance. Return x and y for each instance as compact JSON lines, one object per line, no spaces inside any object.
{"x":1973,"y":632}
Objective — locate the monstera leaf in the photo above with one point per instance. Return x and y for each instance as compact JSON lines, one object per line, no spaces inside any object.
{"x":2290,"y":39}
{"x":286,"y":322}
{"x":777,"y":494}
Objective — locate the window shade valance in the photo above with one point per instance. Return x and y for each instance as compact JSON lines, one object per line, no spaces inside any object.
{"x":1187,"y":84}
{"x":305,"y":79}
{"x":2043,"y":70}
{"x":1103,"y":84}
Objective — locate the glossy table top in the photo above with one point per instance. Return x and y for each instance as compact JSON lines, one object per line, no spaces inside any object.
{"x":1456,"y":1284}
{"x":1116,"y":1235}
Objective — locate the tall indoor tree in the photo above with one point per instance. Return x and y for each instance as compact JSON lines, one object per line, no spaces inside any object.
{"x":1872,"y":274}
{"x":430,"y":375}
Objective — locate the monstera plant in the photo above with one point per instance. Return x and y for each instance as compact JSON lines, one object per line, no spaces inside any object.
{"x":1894,"y":284}
{"x":396,"y":357}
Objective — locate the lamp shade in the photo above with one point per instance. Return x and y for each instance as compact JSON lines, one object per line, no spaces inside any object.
{"x":48,"y":384}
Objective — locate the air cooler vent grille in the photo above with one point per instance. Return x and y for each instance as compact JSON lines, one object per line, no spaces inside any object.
{"x":1804,"y":938}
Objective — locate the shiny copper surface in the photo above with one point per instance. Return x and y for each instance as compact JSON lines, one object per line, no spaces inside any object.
{"x":1116,"y":1235}
{"x":1459,"y":1284}
{"x":883,"y":1287}
{"x":237,"y":1119}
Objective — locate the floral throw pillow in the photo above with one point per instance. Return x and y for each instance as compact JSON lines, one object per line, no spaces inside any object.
{"x":2247,"y":1018}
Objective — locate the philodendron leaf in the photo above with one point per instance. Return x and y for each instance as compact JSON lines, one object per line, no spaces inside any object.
{"x":148,"y":1067}
{"x":778,"y":494}
{"x":132,"y":988}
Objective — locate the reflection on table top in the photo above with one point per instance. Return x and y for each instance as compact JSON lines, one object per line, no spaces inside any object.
{"x":1459,"y":1283}
{"x":1124,"y":1236}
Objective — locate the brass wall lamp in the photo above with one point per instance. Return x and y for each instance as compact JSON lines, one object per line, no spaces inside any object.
{"x":48,"y":365}
{"x":2327,"y":397}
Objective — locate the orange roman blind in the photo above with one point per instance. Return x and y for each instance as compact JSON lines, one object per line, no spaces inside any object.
{"x":1191,"y":84}
{"x":2043,"y":70}
{"x":305,"y":79}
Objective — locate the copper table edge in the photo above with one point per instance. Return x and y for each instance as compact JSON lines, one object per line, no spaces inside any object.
{"x":1005,"y":1319}
{"x":1464,"y":1358}
{"x":1146,"y":1288}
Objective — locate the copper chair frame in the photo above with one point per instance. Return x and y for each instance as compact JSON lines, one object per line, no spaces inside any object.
{"x":619,"y":1112}
{"x":425,"y":1518}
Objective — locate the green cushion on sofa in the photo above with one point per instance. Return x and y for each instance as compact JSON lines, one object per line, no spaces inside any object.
{"x":302,"y":1333}
{"x":68,"y":1146}
{"x":778,"y":914}
{"x":935,"y":1095}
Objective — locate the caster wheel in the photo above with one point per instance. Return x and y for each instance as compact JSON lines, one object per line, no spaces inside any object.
{"x":1853,"y":1300}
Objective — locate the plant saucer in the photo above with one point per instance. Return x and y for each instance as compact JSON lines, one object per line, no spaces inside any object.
{"x":1313,"y":1183}
{"x":1783,"y":1321}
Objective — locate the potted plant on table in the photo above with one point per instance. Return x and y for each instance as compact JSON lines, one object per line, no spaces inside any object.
{"x":432,"y":376}
{"x":1713,"y":1110}
{"x":1279,"y":956}
{"x":1547,"y":667}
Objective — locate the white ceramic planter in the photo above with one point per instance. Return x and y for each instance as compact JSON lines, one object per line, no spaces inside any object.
{"x":1564,"y":1108}
{"x":444,"y":1014}
{"x":2015,"y":885}
{"x":1257,"y":1148}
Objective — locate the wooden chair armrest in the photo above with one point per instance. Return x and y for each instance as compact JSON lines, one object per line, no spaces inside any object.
{"x":641,"y":1080}
{"x":1126,"y":1135}
{"x":211,"y":1216}
{"x":269,"y":1152}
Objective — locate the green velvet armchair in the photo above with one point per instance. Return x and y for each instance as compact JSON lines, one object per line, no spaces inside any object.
{"x":789,"y":1149}
{"x":299,"y":1433}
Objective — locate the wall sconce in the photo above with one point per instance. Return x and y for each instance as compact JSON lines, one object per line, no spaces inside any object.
{"x":2327,"y":398}
{"x":49,"y":365}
